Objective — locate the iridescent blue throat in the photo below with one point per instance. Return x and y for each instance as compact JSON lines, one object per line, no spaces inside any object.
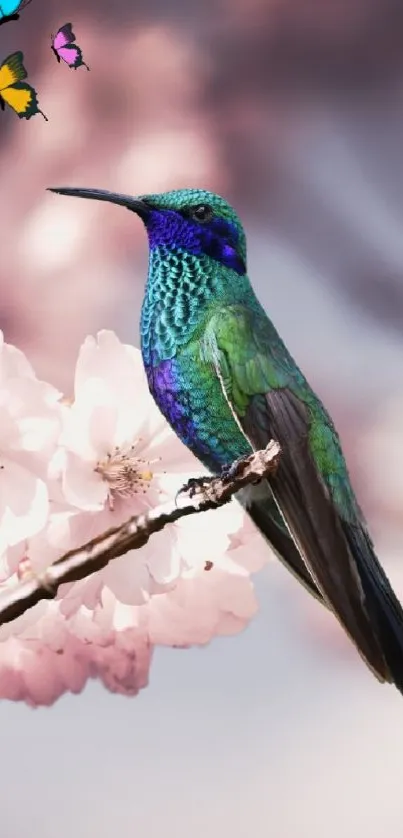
{"x":218,"y":239}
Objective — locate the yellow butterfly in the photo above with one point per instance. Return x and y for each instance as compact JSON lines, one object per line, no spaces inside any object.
{"x":16,"y":93}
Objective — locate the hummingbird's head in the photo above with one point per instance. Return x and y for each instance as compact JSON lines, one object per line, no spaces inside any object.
{"x":189,"y":220}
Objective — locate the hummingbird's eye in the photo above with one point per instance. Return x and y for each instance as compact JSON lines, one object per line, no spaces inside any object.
{"x":202,"y":213}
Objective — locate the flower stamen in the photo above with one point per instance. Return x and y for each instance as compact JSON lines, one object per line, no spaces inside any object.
{"x":125,"y":473}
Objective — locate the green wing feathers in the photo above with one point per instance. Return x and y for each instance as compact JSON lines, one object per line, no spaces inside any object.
{"x":236,"y":340}
{"x":272,"y":400}
{"x":229,"y":344}
{"x":253,"y":362}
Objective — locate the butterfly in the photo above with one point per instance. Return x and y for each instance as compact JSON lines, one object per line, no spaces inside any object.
{"x":16,"y":92}
{"x":9,"y":9}
{"x":63,"y":47}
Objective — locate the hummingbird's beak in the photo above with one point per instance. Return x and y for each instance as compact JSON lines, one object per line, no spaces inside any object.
{"x":137,"y":205}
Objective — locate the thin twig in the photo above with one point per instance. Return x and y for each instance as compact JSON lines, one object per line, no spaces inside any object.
{"x":208,"y":493}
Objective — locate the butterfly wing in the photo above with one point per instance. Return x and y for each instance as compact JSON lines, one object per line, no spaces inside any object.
{"x":9,"y":9}
{"x":12,"y":70}
{"x":22,"y":98}
{"x":16,"y":92}
{"x":71,"y":55}
{"x":64,"y":36}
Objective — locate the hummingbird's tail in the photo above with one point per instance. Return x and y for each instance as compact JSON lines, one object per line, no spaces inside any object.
{"x":259,"y":502}
{"x":381,"y":603}
{"x":340,"y":558}
{"x":381,"y":642}
{"x":329,"y":533}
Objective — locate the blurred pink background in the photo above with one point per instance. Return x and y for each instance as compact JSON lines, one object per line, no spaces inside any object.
{"x":293,"y":111}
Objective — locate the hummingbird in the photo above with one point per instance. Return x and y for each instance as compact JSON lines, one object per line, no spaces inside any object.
{"x":226,"y":383}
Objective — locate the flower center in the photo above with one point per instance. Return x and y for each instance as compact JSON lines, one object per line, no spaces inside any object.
{"x":125,"y":473}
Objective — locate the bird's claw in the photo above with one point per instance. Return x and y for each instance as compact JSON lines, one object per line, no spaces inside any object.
{"x":231,"y":471}
{"x":200,"y":484}
{"x":194,"y":485}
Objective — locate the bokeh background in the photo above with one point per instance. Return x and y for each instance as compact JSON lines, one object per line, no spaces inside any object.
{"x":293,"y":111}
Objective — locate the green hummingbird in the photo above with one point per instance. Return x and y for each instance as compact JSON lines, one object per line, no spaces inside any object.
{"x":223,"y":378}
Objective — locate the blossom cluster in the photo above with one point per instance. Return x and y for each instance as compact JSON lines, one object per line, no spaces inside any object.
{"x":70,"y":469}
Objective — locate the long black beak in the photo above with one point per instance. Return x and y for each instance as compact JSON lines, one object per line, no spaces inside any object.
{"x":137,"y":205}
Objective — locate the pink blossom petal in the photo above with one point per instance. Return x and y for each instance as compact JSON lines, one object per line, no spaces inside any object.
{"x":84,"y":627}
{"x":43,"y":682}
{"x":106,"y":358}
{"x":90,"y":423}
{"x":203,"y":537}
{"x":175,"y":457}
{"x":124,"y":616}
{"x":24,"y":504}
{"x":13,"y":362}
{"x":82,"y":486}
{"x":102,"y":427}
{"x":250,"y":550}
{"x":9,"y":431}
{"x":31,"y":396}
{"x":49,"y":544}
{"x":39,"y":669}
{"x":166,"y":558}
{"x":128,"y":576}
{"x":204,"y":606}
{"x":13,"y":556}
{"x":124,"y":667}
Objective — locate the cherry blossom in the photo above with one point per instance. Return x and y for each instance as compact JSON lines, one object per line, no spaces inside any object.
{"x":94,"y":461}
{"x":57,"y":646}
{"x":30,"y":423}
{"x":47,"y":658}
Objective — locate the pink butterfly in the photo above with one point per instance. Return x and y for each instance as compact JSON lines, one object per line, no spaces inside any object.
{"x":63,"y":47}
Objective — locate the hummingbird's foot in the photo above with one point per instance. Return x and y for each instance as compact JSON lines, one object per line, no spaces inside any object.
{"x":231,"y":471}
{"x":195,"y":485}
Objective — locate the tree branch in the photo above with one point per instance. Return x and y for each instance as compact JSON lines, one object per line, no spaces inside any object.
{"x":199,"y":496}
